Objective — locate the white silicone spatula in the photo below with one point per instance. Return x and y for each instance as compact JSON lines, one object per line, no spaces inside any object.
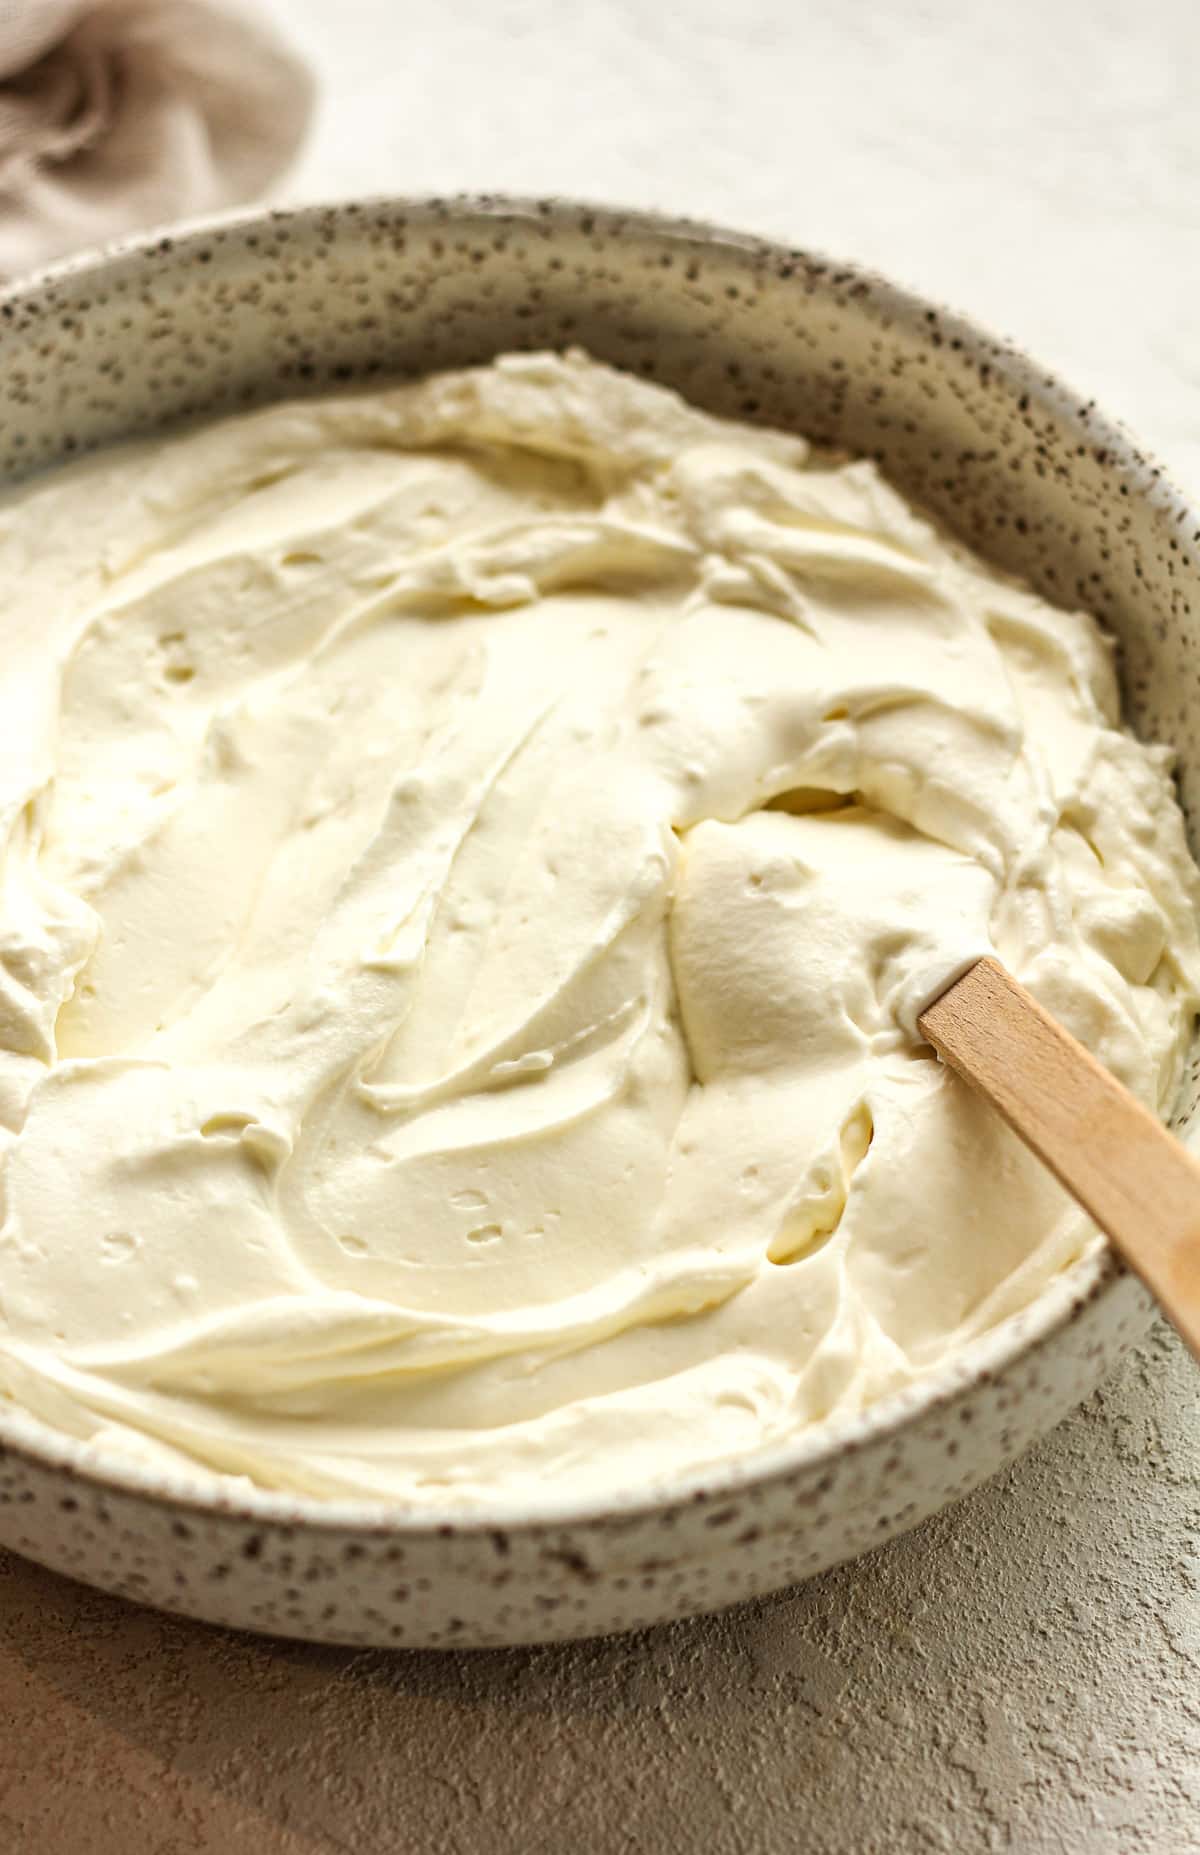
{"x":1133,"y":1177}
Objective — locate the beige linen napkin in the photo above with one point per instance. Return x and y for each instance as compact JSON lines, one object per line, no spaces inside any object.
{"x":116,"y":114}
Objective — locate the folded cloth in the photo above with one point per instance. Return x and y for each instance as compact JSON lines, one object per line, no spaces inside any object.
{"x":116,"y":114}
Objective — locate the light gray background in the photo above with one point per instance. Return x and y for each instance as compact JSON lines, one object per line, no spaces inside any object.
{"x":1024,"y":1672}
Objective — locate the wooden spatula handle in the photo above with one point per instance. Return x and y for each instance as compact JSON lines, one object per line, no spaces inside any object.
{"x":1138,"y":1182}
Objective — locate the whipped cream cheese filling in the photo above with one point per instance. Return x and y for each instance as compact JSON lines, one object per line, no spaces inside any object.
{"x":471,"y":855}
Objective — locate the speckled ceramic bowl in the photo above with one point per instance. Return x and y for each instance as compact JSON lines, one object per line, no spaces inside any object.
{"x":288,"y":303}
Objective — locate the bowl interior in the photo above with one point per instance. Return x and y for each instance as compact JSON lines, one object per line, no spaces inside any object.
{"x":271,"y":306}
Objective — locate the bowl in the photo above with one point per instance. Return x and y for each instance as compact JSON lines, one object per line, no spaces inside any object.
{"x":280,"y":304}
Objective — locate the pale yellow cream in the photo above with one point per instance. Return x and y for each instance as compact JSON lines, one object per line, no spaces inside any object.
{"x":469,"y":853}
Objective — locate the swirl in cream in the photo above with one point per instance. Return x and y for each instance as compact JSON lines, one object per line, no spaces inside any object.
{"x":469,"y":853}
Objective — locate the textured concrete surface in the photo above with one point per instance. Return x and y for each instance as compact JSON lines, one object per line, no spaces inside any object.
{"x":1024,"y":1672}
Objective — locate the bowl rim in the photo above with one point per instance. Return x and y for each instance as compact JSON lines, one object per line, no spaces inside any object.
{"x":1096,"y":1271}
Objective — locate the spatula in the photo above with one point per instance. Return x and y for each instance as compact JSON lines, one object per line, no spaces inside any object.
{"x":1133,"y":1177}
